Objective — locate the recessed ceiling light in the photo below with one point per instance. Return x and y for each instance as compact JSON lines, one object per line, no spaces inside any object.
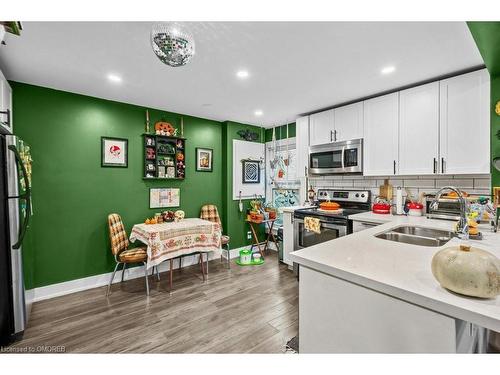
{"x":388,"y":69}
{"x":114,"y":78}
{"x":258,"y":112}
{"x":242,"y":74}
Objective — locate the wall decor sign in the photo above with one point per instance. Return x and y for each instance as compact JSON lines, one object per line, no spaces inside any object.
{"x":251,"y":171}
{"x":204,"y":159}
{"x":164,"y":197}
{"x":114,"y":152}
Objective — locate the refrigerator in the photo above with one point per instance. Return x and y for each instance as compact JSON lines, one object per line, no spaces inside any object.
{"x":15,"y":213}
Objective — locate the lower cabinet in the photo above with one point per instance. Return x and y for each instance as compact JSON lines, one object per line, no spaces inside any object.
{"x":287,"y":237}
{"x":342,"y":317}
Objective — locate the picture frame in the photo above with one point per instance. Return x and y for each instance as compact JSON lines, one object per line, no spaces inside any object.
{"x":164,"y":197}
{"x":250,"y":171}
{"x":114,"y":152}
{"x":204,"y":159}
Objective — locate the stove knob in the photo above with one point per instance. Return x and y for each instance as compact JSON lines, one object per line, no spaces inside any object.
{"x":362,"y":195}
{"x":357,"y":195}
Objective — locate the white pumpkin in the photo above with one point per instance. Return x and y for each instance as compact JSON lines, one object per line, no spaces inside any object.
{"x":179,"y":215}
{"x":467,"y":270}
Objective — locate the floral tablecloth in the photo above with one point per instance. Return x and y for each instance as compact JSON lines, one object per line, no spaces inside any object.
{"x":170,"y":240}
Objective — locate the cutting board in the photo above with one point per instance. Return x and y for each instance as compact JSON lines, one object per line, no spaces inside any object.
{"x":385,"y":190}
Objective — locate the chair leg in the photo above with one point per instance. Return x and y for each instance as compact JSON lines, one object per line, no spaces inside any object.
{"x":228,"y":257}
{"x":170,"y":274}
{"x":180,"y":263}
{"x":123,"y":271}
{"x":146,"y":275}
{"x":111,"y":280}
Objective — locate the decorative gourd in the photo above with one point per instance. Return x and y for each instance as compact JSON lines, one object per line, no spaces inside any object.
{"x":467,"y":270}
{"x":164,"y":127}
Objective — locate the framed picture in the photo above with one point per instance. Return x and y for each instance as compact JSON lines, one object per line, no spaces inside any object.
{"x":164,"y":197}
{"x":251,"y":171}
{"x":204,"y":159}
{"x":114,"y":152}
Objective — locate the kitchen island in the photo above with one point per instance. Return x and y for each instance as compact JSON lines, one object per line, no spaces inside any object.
{"x":361,"y":294}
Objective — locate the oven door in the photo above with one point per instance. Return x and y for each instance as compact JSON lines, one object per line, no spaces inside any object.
{"x":336,"y":158}
{"x":304,"y":238}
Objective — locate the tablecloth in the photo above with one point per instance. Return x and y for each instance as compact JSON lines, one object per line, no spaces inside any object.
{"x":170,"y":240}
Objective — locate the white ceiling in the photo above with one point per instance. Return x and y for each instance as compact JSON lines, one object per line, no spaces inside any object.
{"x":294,"y":68}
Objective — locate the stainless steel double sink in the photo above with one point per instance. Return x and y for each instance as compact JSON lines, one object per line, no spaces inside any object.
{"x":417,"y":235}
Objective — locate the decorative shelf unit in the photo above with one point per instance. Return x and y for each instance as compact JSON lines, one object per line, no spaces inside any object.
{"x":164,"y":157}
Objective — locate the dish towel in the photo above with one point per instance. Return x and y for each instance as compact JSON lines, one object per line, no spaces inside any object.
{"x":312,"y":224}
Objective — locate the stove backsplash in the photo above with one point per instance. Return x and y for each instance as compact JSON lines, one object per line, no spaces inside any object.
{"x":472,"y":184}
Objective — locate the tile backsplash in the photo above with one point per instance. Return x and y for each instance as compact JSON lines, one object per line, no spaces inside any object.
{"x":472,"y":184}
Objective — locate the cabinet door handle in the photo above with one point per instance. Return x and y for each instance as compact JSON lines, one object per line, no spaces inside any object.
{"x":394,"y":166}
{"x":305,"y":171}
{"x":442,"y":165}
{"x":331,"y":136}
{"x":435,"y":165}
{"x":335,"y":135}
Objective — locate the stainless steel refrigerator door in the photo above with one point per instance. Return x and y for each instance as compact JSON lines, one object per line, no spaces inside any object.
{"x":15,"y":217}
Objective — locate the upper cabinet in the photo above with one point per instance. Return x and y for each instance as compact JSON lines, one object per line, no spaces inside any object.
{"x":5,"y":105}
{"x":465,"y":124}
{"x":321,"y":127}
{"x":381,"y":120}
{"x":302,"y":144}
{"x":335,"y":125}
{"x":348,"y":122}
{"x":419,"y":130}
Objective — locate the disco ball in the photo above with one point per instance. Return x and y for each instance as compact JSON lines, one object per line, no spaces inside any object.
{"x":173,"y":46}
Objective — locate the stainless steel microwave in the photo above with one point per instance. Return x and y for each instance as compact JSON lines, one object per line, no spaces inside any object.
{"x":336,"y":158}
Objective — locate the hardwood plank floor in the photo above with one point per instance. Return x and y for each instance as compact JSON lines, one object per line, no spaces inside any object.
{"x":244,"y":309}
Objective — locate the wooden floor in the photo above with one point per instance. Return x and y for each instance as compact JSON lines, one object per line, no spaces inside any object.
{"x":244,"y":309}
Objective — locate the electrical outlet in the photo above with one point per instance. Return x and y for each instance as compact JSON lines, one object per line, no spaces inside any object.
{"x":249,"y":235}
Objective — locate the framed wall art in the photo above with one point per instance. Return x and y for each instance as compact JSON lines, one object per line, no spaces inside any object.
{"x":164,"y":197}
{"x":251,"y":171}
{"x":204,"y":159}
{"x":114,"y":152}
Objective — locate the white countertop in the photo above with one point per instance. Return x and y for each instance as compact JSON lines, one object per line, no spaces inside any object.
{"x":401,"y":270}
{"x":293,"y":208}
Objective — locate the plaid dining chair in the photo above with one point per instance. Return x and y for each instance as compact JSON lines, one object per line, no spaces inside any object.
{"x":123,"y":255}
{"x":209,"y":212}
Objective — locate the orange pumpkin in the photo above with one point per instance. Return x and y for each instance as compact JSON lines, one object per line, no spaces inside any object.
{"x":180,"y":156}
{"x":165,"y":127}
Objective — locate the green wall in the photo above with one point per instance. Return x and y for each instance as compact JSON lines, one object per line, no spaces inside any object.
{"x":487,"y":38}
{"x":72,"y":194}
{"x":233,"y":221}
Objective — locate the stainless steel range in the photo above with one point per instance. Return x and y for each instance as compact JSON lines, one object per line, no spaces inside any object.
{"x":333,"y":225}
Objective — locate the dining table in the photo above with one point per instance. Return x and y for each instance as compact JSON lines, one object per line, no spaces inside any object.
{"x":170,"y":240}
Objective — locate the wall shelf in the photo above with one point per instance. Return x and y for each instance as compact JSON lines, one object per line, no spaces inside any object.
{"x":164,"y":157}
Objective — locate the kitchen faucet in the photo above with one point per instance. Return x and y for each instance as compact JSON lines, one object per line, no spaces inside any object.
{"x":462,"y":229}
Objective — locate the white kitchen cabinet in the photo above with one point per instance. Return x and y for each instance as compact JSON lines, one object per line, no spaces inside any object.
{"x":380,"y":130}
{"x":302,"y":146}
{"x":287,"y":237}
{"x":348,"y":122}
{"x":419,"y":130}
{"x":321,"y":127}
{"x":465,"y":124}
{"x":5,"y":103}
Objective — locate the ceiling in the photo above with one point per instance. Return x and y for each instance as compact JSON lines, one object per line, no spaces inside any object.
{"x":294,"y":67}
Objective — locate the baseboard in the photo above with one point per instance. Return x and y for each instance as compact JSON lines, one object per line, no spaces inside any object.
{"x":78,"y":285}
